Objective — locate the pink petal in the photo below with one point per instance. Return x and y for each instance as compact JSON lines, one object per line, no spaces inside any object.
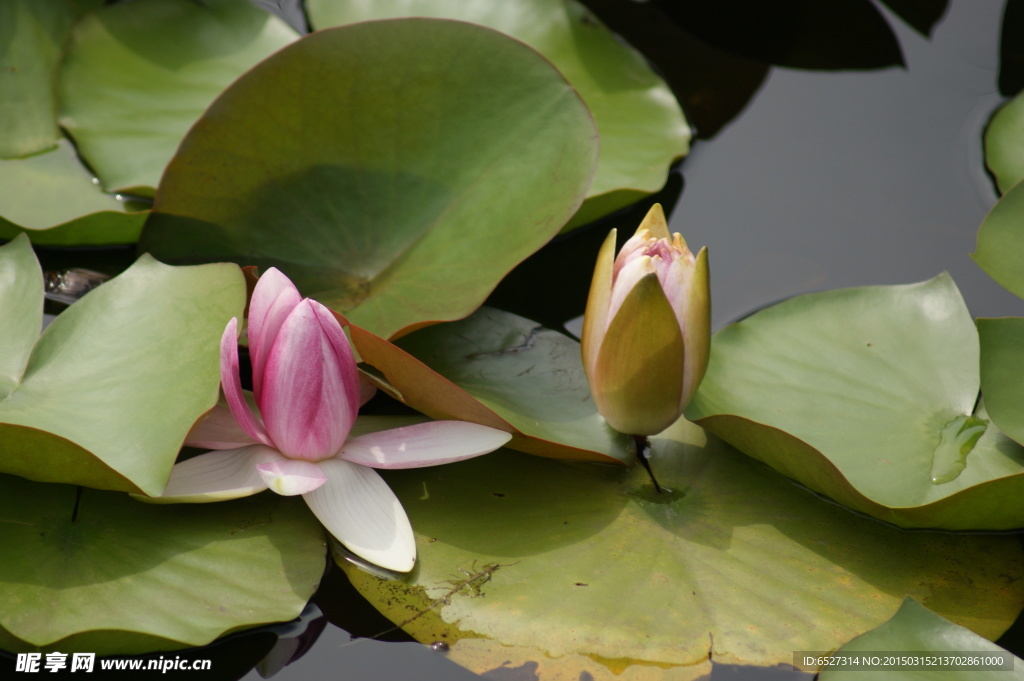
{"x":232,"y":385}
{"x":423,"y":444}
{"x":361,"y":511}
{"x":625,"y":280}
{"x":273,"y":299}
{"x":310,"y":385}
{"x":355,"y":395}
{"x":218,"y":430}
{"x":366,"y":392}
{"x":217,"y":476}
{"x":289,"y":477}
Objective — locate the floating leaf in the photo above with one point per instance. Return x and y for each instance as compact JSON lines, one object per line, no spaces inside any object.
{"x":916,"y":631}
{"x":103,"y":573}
{"x":1000,"y":250}
{"x":1002,"y":367}
{"x":502,"y":371}
{"x":32,"y":35}
{"x":106,"y":395}
{"x":52,"y":198}
{"x":138,"y":74}
{"x":394,"y":170}
{"x":642,"y":128}
{"x":1004,"y":144}
{"x":551,"y":568}
{"x":868,"y":395}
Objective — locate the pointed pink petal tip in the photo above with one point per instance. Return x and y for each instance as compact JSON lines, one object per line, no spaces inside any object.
{"x":231,"y":383}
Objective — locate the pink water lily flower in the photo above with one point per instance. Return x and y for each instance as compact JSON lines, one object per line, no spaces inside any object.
{"x":306,"y":388}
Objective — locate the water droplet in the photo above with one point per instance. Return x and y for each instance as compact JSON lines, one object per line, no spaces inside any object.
{"x":956,"y":441}
{"x":439,"y":646}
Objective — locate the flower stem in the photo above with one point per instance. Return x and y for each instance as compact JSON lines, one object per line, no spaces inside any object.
{"x":643,"y":455}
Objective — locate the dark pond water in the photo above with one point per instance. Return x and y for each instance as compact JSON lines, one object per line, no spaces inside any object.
{"x":825,"y":179}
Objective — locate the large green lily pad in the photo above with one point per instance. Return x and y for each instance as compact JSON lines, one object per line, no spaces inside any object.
{"x":558,"y":568}
{"x":106,"y":395}
{"x":1000,"y":249}
{"x":915,"y":631}
{"x":52,"y":197}
{"x":103,"y":573}
{"x":868,"y":395}
{"x":499,"y":370}
{"x":394,"y":170}
{"x":137,"y":75}
{"x":32,"y":35}
{"x":1004,"y":144}
{"x":642,"y":127}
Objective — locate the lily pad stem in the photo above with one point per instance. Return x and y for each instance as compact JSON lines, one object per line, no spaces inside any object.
{"x":643,"y":455}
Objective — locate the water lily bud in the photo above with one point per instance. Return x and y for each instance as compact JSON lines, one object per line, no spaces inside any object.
{"x":647,"y":329}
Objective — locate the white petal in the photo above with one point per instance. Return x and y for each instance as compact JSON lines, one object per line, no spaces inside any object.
{"x":217,"y":476}
{"x":423,"y":444}
{"x":361,"y":511}
{"x":290,"y":477}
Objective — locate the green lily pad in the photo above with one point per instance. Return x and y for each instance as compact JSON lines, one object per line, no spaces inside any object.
{"x":868,"y":395}
{"x":32,"y":35}
{"x":530,"y":564}
{"x":502,"y":371}
{"x":1004,"y":144}
{"x":642,"y":127}
{"x":1002,"y":371}
{"x":1000,"y":249}
{"x":394,"y":170}
{"x":137,"y":75}
{"x":105,"y":396}
{"x":103,"y":573}
{"x":916,"y":630}
{"x":53,"y":198}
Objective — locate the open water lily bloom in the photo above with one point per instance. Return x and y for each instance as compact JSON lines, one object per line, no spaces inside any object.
{"x":307,"y":392}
